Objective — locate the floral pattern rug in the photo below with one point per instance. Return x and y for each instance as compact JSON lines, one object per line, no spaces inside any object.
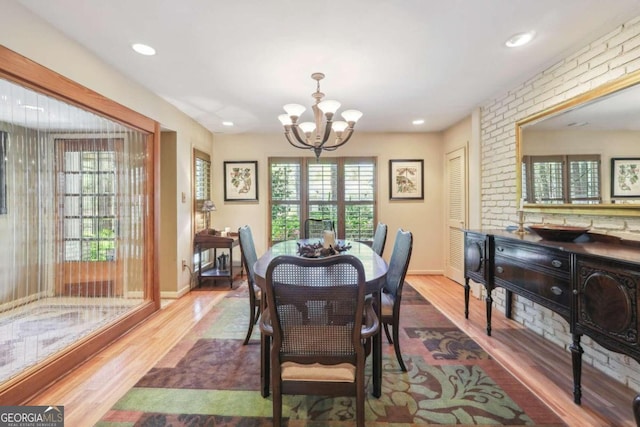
{"x":211,"y":379}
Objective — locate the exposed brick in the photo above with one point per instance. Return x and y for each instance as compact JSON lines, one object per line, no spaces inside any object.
{"x":588,"y":53}
{"x":632,"y":66}
{"x":603,"y":60}
{"x":625,"y":58}
{"x":609,"y":223}
{"x":604,"y":57}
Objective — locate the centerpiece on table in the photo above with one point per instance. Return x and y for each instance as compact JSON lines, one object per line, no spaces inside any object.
{"x":318,"y":249}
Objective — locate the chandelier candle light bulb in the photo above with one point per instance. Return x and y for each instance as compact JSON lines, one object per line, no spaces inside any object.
{"x":314,"y":135}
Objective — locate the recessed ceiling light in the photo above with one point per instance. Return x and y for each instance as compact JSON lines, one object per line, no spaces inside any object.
{"x":227,"y":123}
{"x":143,"y":49}
{"x":418,"y":122}
{"x":520,"y":39}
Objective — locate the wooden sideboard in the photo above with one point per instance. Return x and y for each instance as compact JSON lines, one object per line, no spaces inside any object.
{"x":593,"y":283}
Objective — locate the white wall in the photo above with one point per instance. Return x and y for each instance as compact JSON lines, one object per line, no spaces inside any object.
{"x":30,"y":36}
{"x":424,"y":218}
{"x":605,"y":59}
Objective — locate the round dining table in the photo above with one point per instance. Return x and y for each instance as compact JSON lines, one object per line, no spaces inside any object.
{"x":375,"y":271}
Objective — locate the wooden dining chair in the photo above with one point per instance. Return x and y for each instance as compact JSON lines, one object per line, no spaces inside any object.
{"x":392,"y":291}
{"x":249,"y":257}
{"x":313,"y":228}
{"x":379,"y":238}
{"x":315,"y":319}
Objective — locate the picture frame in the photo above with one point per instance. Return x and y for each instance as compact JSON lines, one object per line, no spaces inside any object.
{"x":406,"y":179}
{"x":241,"y":181}
{"x":625,"y":177}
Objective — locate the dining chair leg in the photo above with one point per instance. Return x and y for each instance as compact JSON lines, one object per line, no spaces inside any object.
{"x":277,"y":405}
{"x":386,"y":332}
{"x":360,"y":392}
{"x":253,"y":318}
{"x":376,"y":370}
{"x":396,"y":347}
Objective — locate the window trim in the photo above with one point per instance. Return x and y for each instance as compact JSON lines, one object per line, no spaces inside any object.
{"x":198,"y":220}
{"x":341,"y":203}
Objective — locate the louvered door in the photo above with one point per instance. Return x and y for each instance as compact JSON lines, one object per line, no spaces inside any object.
{"x":456,"y":208}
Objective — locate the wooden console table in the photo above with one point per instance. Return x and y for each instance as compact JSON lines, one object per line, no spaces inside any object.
{"x":211,"y":239}
{"x":594,"y":285}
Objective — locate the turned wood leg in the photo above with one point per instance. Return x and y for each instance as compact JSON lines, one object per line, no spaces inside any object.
{"x":576,"y":362}
{"x":636,"y":409}
{"x":489,"y":302}
{"x":508,"y":299}
{"x":376,"y":370}
{"x":466,"y":297}
{"x":265,"y":352}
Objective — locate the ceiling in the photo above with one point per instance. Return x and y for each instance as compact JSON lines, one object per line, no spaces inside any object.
{"x":396,"y":61}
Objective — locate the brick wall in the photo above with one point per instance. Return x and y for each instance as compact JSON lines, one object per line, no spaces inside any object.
{"x":603,"y":60}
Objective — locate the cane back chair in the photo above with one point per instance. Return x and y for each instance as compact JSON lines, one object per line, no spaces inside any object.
{"x":319,"y":332}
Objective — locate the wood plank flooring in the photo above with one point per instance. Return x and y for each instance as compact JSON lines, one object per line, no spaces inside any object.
{"x":88,"y":392}
{"x":541,"y":366}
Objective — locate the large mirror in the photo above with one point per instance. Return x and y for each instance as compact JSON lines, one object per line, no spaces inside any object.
{"x":583,"y":155}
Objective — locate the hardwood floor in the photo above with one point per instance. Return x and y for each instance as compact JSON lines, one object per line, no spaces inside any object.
{"x":88,"y":392}
{"x":541,"y":366}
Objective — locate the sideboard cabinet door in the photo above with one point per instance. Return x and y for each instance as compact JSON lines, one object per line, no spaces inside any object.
{"x":606,"y":303}
{"x":476,"y":256}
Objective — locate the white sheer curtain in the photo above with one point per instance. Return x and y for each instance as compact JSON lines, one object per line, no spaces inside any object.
{"x":73,"y":215}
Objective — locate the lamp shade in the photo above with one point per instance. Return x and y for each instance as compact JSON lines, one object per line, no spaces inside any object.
{"x":351,"y":115}
{"x":329,"y":106}
{"x":295,"y":110}
{"x":208,"y":206}
{"x":339,"y":126}
{"x":284,"y":119}
{"x":307,"y":127}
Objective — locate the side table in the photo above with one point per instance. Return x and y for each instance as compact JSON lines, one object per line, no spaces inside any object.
{"x":211,"y":239}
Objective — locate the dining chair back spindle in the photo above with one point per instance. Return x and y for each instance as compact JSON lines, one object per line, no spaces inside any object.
{"x":249,"y":257}
{"x":392,"y":291}
{"x":314,"y":317}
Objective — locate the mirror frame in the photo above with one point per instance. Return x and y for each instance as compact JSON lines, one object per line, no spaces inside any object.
{"x":608,"y":209}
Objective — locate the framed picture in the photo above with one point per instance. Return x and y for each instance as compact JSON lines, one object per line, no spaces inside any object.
{"x":406,"y":179}
{"x":625,"y":177}
{"x":241,"y":181}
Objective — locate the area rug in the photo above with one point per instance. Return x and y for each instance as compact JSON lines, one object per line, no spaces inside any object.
{"x":211,"y":379}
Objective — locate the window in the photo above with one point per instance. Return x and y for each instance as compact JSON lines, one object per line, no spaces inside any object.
{"x":89,"y":177}
{"x":341,"y":189}
{"x":201,"y":185}
{"x":562,"y":179}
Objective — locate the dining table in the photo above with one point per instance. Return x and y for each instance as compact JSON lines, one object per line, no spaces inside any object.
{"x":375,"y":270}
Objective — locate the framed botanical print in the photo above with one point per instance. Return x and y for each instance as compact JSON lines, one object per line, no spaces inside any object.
{"x":406,"y":179}
{"x":625,"y":177}
{"x":241,"y":181}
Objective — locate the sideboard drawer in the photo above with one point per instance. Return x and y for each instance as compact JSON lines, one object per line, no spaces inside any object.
{"x":544,"y":287}
{"x":534,"y":256}
{"x":535,"y":272}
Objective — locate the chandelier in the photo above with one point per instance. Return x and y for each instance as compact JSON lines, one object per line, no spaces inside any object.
{"x":314,"y":135}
